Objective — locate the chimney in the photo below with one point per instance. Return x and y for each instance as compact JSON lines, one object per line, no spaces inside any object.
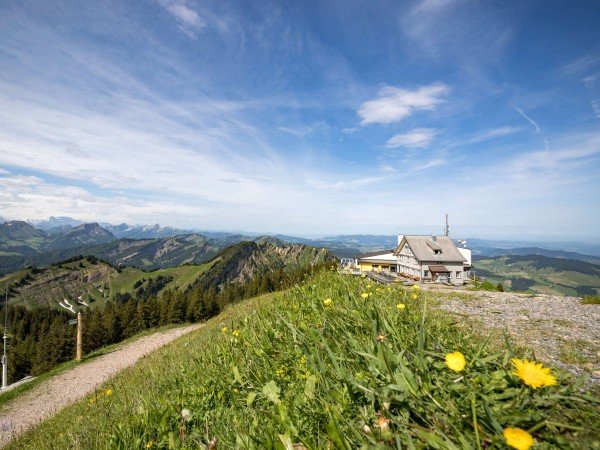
{"x":433,"y":238}
{"x":400,"y":237}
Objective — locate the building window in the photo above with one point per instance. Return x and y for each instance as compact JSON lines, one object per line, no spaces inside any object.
{"x":426,"y":274}
{"x":458,"y":274}
{"x":437,"y":252}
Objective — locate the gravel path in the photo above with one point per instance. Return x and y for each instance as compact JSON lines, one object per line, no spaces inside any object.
{"x":560,"y":330}
{"x":51,"y":396}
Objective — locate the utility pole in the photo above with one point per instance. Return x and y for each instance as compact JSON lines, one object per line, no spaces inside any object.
{"x":5,"y":337}
{"x":79,"y":336}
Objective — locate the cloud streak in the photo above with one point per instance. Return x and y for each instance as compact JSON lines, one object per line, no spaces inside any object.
{"x":417,"y":138}
{"x":529,"y":119}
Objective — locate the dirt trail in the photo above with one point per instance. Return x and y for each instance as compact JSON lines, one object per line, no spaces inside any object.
{"x":52,"y":395}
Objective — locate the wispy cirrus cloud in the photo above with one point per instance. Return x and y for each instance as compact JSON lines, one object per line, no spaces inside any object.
{"x":529,"y":119}
{"x":417,"y":138}
{"x":395,"y":104}
{"x":346,"y":184}
{"x":188,"y":19}
{"x":491,"y":133}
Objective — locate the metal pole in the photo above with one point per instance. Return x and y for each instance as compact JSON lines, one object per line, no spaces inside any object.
{"x":5,"y":338}
{"x":79,"y":337}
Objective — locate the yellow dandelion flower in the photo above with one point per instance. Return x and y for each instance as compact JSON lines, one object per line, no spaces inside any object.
{"x":327,"y":302}
{"x":235,"y":333}
{"x":109,"y":392}
{"x":456,"y":361}
{"x":364,"y":295}
{"x":415,"y":296}
{"x":400,"y":306}
{"x":416,"y":287}
{"x":533,"y":374}
{"x":150,"y":444}
{"x":368,"y":286}
{"x":518,"y":438}
{"x":378,"y":289}
{"x":224,"y":330}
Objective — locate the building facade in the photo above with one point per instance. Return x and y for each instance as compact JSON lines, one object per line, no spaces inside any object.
{"x":384,"y":261}
{"x":431,"y":258}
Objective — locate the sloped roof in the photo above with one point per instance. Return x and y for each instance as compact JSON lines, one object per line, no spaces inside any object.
{"x":379,"y":253}
{"x":423,"y":247}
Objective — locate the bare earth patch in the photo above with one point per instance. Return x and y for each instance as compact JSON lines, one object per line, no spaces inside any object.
{"x":560,"y":330}
{"x":48,"y":398}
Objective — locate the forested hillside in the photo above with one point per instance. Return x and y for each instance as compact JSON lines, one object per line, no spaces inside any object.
{"x":118,"y":303}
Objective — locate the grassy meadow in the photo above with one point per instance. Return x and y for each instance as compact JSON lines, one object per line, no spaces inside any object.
{"x":541,"y":280}
{"x":335,"y":362}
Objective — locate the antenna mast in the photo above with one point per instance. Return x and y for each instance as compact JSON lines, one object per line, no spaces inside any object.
{"x":447,"y":229}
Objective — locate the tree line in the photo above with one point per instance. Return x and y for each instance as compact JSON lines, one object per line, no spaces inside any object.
{"x":41,"y":338}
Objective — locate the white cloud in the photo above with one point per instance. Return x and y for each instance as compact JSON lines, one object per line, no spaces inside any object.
{"x":573,"y":153}
{"x":529,"y":119}
{"x":302,"y":131}
{"x":346,"y":184}
{"x":596,"y":107}
{"x":417,"y":138}
{"x":30,"y":197}
{"x":491,"y":133}
{"x":188,"y":18}
{"x":395,"y":104}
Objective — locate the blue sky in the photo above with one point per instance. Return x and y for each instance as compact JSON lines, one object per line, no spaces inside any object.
{"x":308,"y":118}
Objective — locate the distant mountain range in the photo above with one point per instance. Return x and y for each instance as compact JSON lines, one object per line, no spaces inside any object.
{"x":143,"y":231}
{"x":152,"y":246}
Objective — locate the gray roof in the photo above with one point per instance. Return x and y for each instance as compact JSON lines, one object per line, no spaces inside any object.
{"x":423,"y":248}
{"x":379,"y":253}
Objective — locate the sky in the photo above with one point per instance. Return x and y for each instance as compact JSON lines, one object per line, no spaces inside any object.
{"x":305,"y":118}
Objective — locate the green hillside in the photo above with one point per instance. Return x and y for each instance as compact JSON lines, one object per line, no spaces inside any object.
{"x":541,"y":274}
{"x":319,"y":366}
{"x":42,"y":300}
{"x":88,"y":280}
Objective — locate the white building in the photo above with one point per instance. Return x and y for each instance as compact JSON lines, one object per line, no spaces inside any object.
{"x":432,"y":258}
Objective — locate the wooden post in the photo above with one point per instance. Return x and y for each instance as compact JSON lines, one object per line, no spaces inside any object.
{"x":79,"y":337}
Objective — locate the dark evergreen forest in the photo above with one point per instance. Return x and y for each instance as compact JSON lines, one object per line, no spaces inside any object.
{"x":41,"y":338}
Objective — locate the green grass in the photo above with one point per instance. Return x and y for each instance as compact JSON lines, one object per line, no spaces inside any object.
{"x":590,"y":300}
{"x":359,"y":373}
{"x":5,"y":397}
{"x":484,"y":286}
{"x":547,"y":280}
{"x":572,"y":352}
